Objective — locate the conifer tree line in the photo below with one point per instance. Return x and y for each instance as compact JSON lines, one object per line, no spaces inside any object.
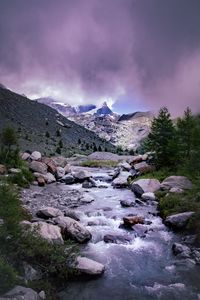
{"x":175,"y":143}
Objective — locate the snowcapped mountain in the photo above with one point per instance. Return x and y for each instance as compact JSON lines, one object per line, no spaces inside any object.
{"x":125,"y":130}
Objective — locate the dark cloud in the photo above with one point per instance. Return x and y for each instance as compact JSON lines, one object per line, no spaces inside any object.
{"x":89,"y":50}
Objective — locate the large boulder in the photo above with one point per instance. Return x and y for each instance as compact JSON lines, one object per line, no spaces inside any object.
{"x":142,"y":186}
{"x":89,"y":266}
{"x":48,"y":212}
{"x":36,"y":155}
{"x":21,"y":293}
{"x":38,"y":167}
{"x":49,"y":232}
{"x":180,"y":182}
{"x":122,"y":180}
{"x":178,"y":221}
{"x":73,"y":229}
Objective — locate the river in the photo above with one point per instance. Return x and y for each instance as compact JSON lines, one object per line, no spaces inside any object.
{"x":142,"y":269}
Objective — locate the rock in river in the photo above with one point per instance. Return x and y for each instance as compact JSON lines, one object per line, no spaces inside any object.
{"x":142,"y":186}
{"x":132,"y":220}
{"x":48,"y":212}
{"x":73,"y":229}
{"x":89,"y":266}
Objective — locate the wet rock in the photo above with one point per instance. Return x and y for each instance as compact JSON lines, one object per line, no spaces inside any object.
{"x":122,"y":180}
{"x":86,"y":199}
{"x":38,"y":167}
{"x":127,"y":203}
{"x":132,"y":220}
{"x":116,"y":173}
{"x":72,"y":214}
{"x":117,"y":239}
{"x":142,"y":186}
{"x":36,"y":155}
{"x":73,"y":229}
{"x":148,"y":196}
{"x":89,"y":266}
{"x":49,"y":232}
{"x":180,"y":182}
{"x":140,"y":202}
{"x":3,"y":170}
{"x":181,"y":250}
{"x":67,"y":179}
{"x":48,"y":212}
{"x":21,"y":293}
{"x":178,"y":221}
{"x":196,"y":256}
{"x":87,"y":184}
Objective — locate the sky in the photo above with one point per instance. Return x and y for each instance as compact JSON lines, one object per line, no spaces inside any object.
{"x":134,"y":54}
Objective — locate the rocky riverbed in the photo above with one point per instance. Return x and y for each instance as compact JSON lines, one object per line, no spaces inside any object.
{"x":141,"y":257}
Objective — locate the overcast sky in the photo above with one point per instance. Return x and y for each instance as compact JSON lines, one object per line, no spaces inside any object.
{"x":136,"y":54}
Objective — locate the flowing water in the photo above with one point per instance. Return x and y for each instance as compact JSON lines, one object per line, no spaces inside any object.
{"x":142,"y":269}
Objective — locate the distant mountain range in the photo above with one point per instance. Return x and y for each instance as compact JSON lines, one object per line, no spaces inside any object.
{"x":43,"y":128}
{"x":125,"y":130}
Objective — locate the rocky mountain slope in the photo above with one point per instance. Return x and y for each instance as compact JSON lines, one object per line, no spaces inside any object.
{"x":126,"y":131}
{"x":39,"y":125}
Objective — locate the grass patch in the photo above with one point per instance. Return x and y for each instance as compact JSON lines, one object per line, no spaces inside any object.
{"x":22,"y":179}
{"x":17,"y":247}
{"x":100,"y":163}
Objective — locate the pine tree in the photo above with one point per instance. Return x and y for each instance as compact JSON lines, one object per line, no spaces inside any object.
{"x":162,"y":139}
{"x":185,"y":128}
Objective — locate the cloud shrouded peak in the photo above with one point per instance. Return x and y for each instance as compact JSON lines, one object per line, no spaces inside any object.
{"x":142,"y":53}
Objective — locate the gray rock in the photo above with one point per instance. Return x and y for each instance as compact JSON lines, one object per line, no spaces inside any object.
{"x":187,"y":263}
{"x":48,"y":212}
{"x":178,"y":221}
{"x":38,"y":167}
{"x":181,"y":250}
{"x":42,"y":295}
{"x":143,"y":167}
{"x":180,"y":182}
{"x":49,"y":232}
{"x":36,"y":155}
{"x":86,"y":199}
{"x":89,"y":266}
{"x":73,"y":229}
{"x":81,"y":175}
{"x":1,"y":222}
{"x":127,"y":203}
{"x":48,"y":177}
{"x":148,"y":196}
{"x":125,"y":166}
{"x":67,"y":179}
{"x":14,"y":171}
{"x":176,"y":190}
{"x":117,"y":239}
{"x":60,"y":161}
{"x":72,"y":214}
{"x":140,"y":229}
{"x":31,"y":274}
{"x":60,"y":172}
{"x":122,"y":180}
{"x":21,"y":293}
{"x":142,"y":186}
{"x":25,"y":156}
